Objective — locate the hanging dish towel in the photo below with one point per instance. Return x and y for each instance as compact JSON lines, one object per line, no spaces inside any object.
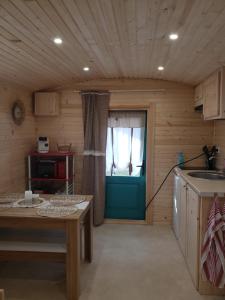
{"x":223,"y":227}
{"x":213,"y":256}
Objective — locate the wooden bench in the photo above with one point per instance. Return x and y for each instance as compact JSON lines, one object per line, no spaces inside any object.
{"x":16,"y":251}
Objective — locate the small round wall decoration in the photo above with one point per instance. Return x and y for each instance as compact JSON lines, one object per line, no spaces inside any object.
{"x":18,"y":112}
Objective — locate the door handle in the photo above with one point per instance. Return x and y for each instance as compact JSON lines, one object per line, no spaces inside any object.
{"x":142,"y":168}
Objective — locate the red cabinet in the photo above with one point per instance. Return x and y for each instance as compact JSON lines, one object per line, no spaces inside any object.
{"x":51,"y":173}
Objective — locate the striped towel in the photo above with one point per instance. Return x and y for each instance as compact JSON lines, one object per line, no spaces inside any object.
{"x":213,"y":254}
{"x":223,"y":227}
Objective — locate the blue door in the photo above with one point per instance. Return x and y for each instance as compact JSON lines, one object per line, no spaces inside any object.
{"x":125,"y":171}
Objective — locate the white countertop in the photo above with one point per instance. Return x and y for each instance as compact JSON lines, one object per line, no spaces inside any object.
{"x":204,"y":187}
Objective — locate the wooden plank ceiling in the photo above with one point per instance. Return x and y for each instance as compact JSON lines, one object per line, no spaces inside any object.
{"x":115,"y":38}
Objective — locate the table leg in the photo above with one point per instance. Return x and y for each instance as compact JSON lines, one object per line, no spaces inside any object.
{"x":73,"y":259}
{"x":2,"y":295}
{"x":88,"y":235}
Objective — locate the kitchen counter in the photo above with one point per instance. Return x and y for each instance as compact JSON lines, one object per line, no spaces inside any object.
{"x":192,"y":201}
{"x":203,"y":187}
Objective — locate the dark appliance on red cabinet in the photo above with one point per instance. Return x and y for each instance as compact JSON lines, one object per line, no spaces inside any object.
{"x":46,"y":168}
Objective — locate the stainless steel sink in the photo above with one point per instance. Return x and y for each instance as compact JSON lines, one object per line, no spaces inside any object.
{"x":207,"y":175}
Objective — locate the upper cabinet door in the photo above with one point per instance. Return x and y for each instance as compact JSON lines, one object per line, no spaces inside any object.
{"x":199,"y":94}
{"x":46,"y":104}
{"x":212,"y":99}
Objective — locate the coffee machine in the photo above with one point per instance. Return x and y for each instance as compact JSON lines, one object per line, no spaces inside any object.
{"x":43,"y":144}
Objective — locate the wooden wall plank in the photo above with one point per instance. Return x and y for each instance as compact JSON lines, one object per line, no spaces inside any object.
{"x":15,"y":141}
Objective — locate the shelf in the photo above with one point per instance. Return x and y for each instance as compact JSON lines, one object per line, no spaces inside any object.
{"x":32,"y":247}
{"x":50,"y":184}
{"x":53,"y":153}
{"x":50,"y":179}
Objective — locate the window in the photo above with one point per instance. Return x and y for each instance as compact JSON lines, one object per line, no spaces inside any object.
{"x":125,"y":143}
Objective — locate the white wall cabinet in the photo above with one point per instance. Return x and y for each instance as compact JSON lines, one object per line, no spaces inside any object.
{"x":198,"y":95}
{"x":213,"y":93}
{"x":46,"y":104}
{"x":212,"y":96}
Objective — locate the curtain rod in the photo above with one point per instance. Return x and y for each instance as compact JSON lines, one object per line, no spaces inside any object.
{"x":93,"y":93}
{"x":127,"y":91}
{"x":121,"y":91}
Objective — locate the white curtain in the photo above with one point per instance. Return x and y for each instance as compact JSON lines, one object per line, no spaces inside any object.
{"x":125,"y":143}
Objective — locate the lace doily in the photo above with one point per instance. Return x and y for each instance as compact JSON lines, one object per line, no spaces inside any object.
{"x":56,"y":211}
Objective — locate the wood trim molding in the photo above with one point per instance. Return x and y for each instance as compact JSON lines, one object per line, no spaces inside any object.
{"x":122,"y":85}
{"x":128,"y":107}
{"x":122,"y":221}
{"x":150,"y":146}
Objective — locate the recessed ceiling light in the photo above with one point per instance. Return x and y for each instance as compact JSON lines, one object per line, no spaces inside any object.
{"x":173,"y":36}
{"x":160,"y":68}
{"x":58,"y":41}
{"x":86,"y":69}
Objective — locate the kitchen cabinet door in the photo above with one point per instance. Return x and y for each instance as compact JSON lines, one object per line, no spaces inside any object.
{"x":211,"y":106}
{"x":183,"y":220}
{"x":199,"y":94}
{"x":176,"y":205}
{"x":46,"y":104}
{"x":192,"y":234}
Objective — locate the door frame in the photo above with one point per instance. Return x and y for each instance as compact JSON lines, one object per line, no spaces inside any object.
{"x":150,"y":146}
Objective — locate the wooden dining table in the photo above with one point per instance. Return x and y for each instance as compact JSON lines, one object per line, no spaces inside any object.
{"x":68,"y":252}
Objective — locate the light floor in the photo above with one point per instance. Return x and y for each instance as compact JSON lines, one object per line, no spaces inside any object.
{"x":131,"y":262}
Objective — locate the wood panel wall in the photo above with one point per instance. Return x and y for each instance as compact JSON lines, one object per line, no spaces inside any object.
{"x":15,"y":141}
{"x":177,"y":127}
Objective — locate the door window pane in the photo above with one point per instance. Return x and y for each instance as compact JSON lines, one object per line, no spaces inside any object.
{"x":125,"y":145}
{"x":137,"y":150}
